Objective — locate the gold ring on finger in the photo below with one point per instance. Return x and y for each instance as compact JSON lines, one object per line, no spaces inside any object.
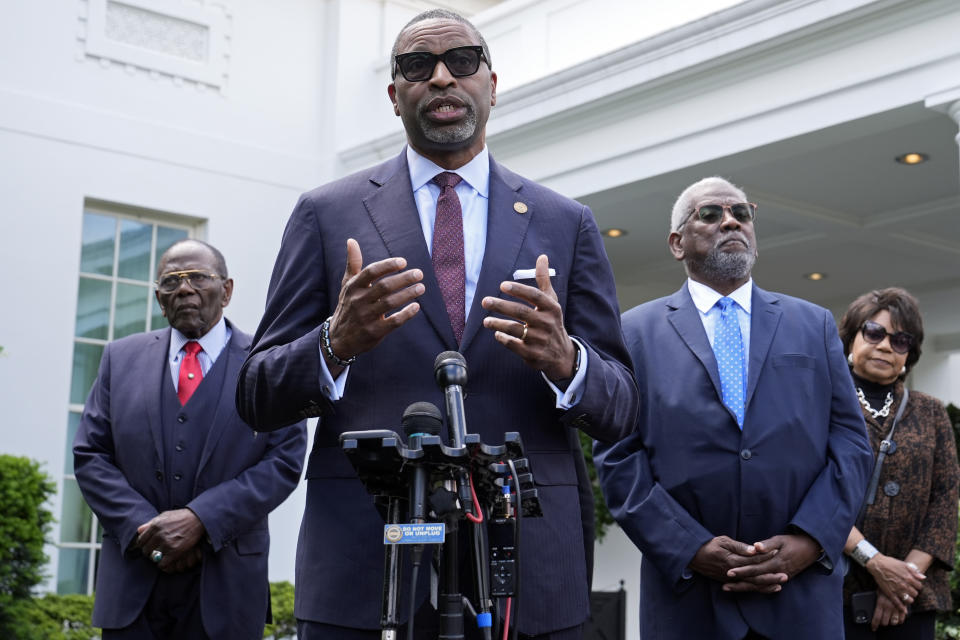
{"x":523,"y":336}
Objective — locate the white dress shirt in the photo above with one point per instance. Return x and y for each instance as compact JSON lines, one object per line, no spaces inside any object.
{"x":473,"y":192}
{"x":212,"y":342}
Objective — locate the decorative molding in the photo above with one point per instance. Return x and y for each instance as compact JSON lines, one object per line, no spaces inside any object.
{"x":186,"y":42}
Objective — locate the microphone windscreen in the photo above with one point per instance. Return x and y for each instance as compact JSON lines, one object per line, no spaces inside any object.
{"x":450,"y":368}
{"x":449,"y":357}
{"x":421,"y":417}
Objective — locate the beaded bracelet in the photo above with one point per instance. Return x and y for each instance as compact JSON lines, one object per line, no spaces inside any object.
{"x":327,"y":349}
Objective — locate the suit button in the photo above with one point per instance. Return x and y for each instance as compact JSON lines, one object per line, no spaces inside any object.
{"x":746,"y":454}
{"x":181,"y":418}
{"x":160,"y":476}
{"x":178,"y":476}
{"x":891,"y":488}
{"x":179,"y":446}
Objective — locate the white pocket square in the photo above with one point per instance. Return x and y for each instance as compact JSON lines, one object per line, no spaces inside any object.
{"x":528,"y":274}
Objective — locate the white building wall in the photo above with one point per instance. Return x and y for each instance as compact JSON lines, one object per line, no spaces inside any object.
{"x":234,"y":158}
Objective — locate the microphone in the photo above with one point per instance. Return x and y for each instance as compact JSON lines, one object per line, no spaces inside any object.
{"x":450,"y":372}
{"x":419,"y":419}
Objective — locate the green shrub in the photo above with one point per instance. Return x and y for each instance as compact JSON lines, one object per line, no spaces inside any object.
{"x":53,"y":617}
{"x":25,"y":524}
{"x":281,"y":601}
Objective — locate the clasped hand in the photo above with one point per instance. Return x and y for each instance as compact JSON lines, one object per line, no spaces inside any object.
{"x":176,"y":535}
{"x":761,"y":567}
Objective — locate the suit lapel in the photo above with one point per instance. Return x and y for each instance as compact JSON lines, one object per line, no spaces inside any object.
{"x":764,"y":320}
{"x":394,"y":213}
{"x":157,"y":350}
{"x":506,"y":230}
{"x":233,"y":356}
{"x":685,"y":318}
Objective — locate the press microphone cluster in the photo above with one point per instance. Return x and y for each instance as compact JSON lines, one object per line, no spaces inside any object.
{"x":440,"y":485}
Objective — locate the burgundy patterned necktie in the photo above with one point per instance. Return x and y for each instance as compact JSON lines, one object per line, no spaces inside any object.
{"x":190,"y":372}
{"x":448,"y":262}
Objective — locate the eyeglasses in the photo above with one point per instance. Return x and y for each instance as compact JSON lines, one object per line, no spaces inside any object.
{"x":199,"y":280}
{"x":418,"y":66}
{"x":874,"y":333}
{"x":713,"y":213}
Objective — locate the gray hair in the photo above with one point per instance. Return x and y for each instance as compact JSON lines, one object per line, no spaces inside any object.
{"x":220,"y":263}
{"x":437,"y":14}
{"x":683,"y":207}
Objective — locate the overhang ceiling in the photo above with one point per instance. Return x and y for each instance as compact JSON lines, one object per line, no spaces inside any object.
{"x":833,"y":201}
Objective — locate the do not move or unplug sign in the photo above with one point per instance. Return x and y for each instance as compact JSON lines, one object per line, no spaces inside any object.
{"x":426,"y":533}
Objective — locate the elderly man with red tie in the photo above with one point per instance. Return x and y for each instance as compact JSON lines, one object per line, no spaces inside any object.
{"x":181,"y":486}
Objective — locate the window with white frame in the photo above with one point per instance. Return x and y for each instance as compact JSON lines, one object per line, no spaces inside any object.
{"x":118,"y":262}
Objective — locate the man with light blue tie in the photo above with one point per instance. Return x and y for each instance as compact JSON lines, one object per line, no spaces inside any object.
{"x":750,"y":456}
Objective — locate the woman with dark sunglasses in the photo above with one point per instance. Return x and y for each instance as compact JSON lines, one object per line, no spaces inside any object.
{"x":901,"y":548}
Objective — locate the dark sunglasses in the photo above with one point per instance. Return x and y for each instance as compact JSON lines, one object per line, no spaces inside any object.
{"x":713,"y":213}
{"x":901,"y":341}
{"x":418,"y":66}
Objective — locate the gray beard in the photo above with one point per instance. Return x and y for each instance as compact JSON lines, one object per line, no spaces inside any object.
{"x":462,"y":132}
{"x":722,"y":266}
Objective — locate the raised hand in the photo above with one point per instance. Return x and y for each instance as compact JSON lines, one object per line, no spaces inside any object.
{"x":367,"y":295}
{"x":533,"y":327}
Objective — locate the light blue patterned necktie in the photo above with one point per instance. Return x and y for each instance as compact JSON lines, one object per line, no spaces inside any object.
{"x":728,"y":348}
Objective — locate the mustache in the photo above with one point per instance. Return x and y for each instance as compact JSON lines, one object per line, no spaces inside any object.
{"x":734,"y":235}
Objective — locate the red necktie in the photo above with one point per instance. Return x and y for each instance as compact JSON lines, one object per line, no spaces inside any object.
{"x":190,"y":372}
{"x":448,"y":262}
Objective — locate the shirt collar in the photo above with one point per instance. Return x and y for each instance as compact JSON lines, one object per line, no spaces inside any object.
{"x":212,"y":341}
{"x":704,"y":298}
{"x":476,"y":173}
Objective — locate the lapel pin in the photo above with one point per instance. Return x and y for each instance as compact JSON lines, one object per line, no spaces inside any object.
{"x":520,"y":207}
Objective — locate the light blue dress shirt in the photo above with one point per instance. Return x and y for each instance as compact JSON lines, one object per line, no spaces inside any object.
{"x":212,"y":341}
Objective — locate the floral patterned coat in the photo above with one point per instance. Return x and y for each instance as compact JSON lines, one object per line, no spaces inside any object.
{"x":916,"y":502}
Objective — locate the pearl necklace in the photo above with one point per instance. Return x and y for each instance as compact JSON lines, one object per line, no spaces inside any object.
{"x":876,"y":413}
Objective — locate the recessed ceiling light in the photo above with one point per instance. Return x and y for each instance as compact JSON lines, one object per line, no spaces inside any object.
{"x":912,"y":158}
{"x":614,"y":232}
{"x":815,"y":276}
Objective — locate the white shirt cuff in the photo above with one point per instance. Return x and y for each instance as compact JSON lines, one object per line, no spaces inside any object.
{"x":570,"y":397}
{"x":332,"y":389}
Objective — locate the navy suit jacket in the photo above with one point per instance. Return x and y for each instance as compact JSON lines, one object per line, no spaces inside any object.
{"x":242,"y":476}
{"x":340,"y":555}
{"x":688,"y":473}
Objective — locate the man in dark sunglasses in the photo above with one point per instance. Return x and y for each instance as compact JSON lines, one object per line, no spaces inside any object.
{"x":750,"y":457}
{"x":458,"y":253}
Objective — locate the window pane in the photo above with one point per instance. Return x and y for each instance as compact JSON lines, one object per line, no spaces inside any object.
{"x":72,"y":571}
{"x":131,"y":313}
{"x":93,"y":308}
{"x":96,"y":256}
{"x":134,"y":260}
{"x":76,"y":520}
{"x":86,"y":360}
{"x":157,"y":321}
{"x":166,"y":236}
{"x":73,"y":421}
